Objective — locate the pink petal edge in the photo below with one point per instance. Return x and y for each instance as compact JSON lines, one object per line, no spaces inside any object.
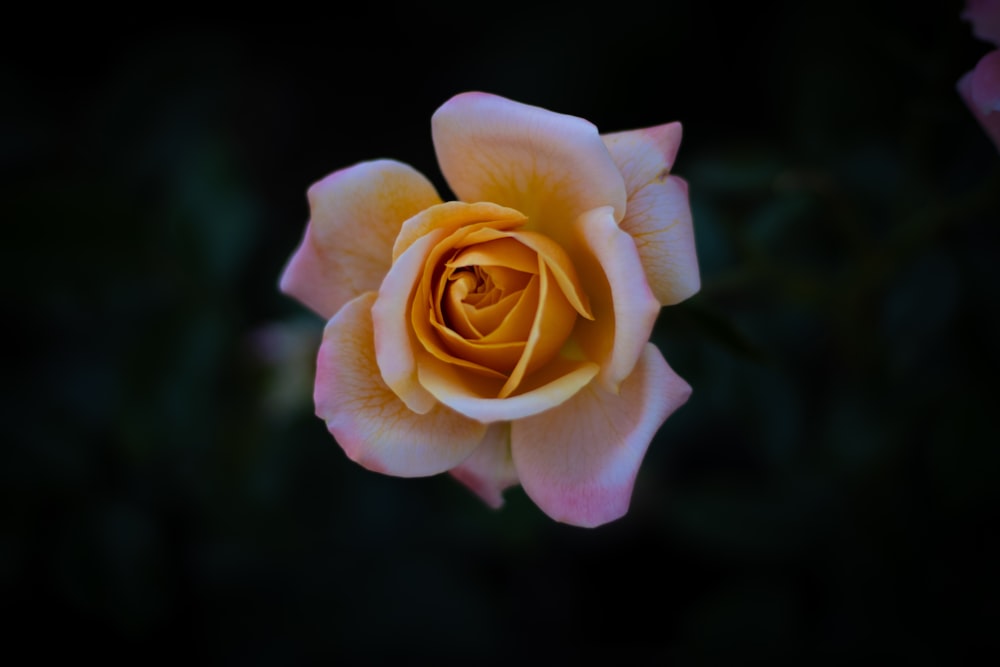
{"x":490,"y":469}
{"x":550,"y":166}
{"x":579,"y":461}
{"x":372,"y":425}
{"x":355,"y":216}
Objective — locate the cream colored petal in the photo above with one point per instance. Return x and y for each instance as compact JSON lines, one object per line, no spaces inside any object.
{"x":394,"y":342}
{"x":475,"y":396}
{"x":490,"y":469}
{"x":624,"y":307}
{"x":658,"y":216}
{"x":355,"y":215}
{"x":371,"y":423}
{"x":550,"y":166}
{"x":579,"y":461}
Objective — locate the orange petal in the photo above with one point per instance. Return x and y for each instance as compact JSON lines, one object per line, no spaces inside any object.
{"x":451,"y":216}
{"x":498,"y":352}
{"x":476,"y":397}
{"x":559,"y":262}
{"x":553,"y":321}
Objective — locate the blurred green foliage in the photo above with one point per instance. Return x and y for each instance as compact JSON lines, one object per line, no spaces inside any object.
{"x":826,"y":495}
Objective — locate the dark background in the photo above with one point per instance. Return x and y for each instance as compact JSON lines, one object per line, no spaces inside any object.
{"x":826,"y":494}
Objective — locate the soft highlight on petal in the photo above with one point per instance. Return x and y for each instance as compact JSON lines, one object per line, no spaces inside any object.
{"x":451,"y":216}
{"x":490,"y":469}
{"x":578,"y":462}
{"x":355,"y":216}
{"x":371,"y":423}
{"x":658,"y":216}
{"x":475,"y":396}
{"x":550,"y":166}
{"x":625,"y":309}
{"x":394,"y":344}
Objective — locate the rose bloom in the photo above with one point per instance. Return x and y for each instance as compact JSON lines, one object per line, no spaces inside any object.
{"x":503,"y":337}
{"x":980,"y":88}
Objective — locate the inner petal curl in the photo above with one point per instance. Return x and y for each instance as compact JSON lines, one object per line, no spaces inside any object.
{"x":497,"y":302}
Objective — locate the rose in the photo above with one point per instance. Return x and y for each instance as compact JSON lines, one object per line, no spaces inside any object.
{"x":980,"y":88}
{"x":502,"y":337}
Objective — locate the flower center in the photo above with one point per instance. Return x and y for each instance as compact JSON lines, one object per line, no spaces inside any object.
{"x":495,"y":299}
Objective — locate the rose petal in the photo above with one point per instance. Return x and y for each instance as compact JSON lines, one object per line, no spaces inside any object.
{"x":578,"y":462}
{"x":559,"y":262}
{"x":452,"y":216}
{"x":394,"y":343}
{"x":624,"y":307}
{"x":490,"y":469}
{"x":658,"y":216}
{"x":356,"y":214}
{"x":550,"y":166}
{"x":550,"y":327}
{"x":989,"y":121}
{"x":475,"y":396}
{"x":371,"y":423}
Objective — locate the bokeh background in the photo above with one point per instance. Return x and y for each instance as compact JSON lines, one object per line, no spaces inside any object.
{"x":827,"y":494}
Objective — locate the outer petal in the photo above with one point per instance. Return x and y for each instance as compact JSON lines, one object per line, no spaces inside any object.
{"x":989,"y":120}
{"x":658,"y":216}
{"x":356,"y":214}
{"x":550,"y":166}
{"x":369,"y":421}
{"x":624,"y":308}
{"x":579,"y":461}
{"x":490,"y":469}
